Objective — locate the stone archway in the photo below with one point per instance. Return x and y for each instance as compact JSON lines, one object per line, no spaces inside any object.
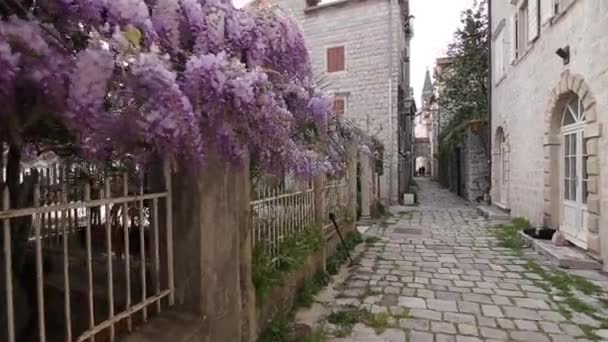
{"x":500,"y":154}
{"x":422,"y":152}
{"x":572,"y":85}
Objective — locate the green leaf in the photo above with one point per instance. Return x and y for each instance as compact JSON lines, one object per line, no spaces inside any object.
{"x":133,"y":35}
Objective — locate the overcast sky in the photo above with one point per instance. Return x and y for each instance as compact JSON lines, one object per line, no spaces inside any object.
{"x":434,"y":24}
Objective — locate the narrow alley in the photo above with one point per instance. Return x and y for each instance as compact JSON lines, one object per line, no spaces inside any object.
{"x":435,"y":273}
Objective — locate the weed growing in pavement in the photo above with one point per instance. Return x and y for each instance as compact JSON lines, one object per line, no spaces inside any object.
{"x":318,"y":335}
{"x":341,"y":256}
{"x":308,"y":291}
{"x":346,"y":319}
{"x":379,"y":322}
{"x":277,"y":331}
{"x":370,"y":241}
{"x":589,"y":333}
{"x":557,"y":283}
{"x":509,"y":234}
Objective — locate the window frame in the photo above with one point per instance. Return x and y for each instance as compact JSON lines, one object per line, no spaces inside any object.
{"x":344,"y":99}
{"x":327,"y":58}
{"x":522,"y":29}
{"x":500,"y":60}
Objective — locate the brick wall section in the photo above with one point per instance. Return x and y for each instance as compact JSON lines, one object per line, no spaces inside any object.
{"x":362,"y":27}
{"x":523,"y":100}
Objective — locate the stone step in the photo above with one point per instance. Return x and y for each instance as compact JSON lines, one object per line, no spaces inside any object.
{"x":567,"y":256}
{"x":492,"y":213}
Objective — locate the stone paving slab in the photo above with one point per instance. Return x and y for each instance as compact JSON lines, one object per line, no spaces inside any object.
{"x":451,"y":282}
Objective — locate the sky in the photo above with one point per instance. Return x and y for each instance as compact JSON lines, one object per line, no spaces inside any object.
{"x":434,"y":24}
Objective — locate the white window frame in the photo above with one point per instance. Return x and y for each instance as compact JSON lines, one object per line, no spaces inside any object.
{"x":500,"y":53}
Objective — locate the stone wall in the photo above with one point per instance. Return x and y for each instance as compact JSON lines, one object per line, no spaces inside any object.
{"x":464,"y":169}
{"x":526,"y":99}
{"x":476,"y":165}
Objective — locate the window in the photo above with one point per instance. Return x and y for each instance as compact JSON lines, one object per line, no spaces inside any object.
{"x":521,"y":34}
{"x":335,"y":59}
{"x":499,"y":56}
{"x":339,"y":105}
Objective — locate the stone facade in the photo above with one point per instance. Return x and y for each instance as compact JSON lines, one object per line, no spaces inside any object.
{"x":529,"y":96}
{"x":477,"y":168}
{"x":464,"y":169}
{"x":375,"y":35}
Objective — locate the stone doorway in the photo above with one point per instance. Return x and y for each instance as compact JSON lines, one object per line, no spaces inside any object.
{"x":572,"y":198}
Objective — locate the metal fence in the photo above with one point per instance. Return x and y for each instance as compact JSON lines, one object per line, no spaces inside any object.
{"x":83,"y":260}
{"x":335,"y":199}
{"x":280,"y":212}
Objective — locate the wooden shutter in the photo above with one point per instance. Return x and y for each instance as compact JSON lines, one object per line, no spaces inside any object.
{"x":546,"y":11}
{"x":339,"y":106}
{"x":513,"y":43}
{"x":533,"y":20}
{"x":335,"y":59}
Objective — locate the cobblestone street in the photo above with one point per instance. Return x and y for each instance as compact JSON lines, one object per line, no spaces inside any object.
{"x":436,"y":274}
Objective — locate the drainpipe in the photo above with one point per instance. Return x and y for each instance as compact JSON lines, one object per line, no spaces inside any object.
{"x":490,"y":132}
{"x":390,"y":99}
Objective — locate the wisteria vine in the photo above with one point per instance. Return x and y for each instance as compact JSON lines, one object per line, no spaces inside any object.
{"x":171,"y":76}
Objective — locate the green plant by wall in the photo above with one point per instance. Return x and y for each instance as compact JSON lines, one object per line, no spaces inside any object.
{"x":268,"y":270}
{"x":310,"y":288}
{"x":277,"y":331}
{"x":509,"y":235}
{"x":341,"y":256}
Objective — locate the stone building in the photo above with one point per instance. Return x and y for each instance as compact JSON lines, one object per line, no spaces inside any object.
{"x":549,"y":116}
{"x":423,"y":128}
{"x":360,"y":54}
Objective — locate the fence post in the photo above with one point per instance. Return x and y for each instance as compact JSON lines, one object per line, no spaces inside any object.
{"x":351,"y":152}
{"x":209,"y":210}
{"x":366,"y":187}
{"x":319,"y":207}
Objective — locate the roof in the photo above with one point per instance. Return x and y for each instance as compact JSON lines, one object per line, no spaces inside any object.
{"x":335,"y":3}
{"x":428,"y":84}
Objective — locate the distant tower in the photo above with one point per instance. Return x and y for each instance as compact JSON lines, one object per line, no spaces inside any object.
{"x":427,"y":90}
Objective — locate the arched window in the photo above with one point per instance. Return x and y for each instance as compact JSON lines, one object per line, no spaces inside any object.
{"x":573,"y":112}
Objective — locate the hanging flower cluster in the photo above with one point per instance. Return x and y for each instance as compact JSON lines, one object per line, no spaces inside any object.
{"x":173,"y":76}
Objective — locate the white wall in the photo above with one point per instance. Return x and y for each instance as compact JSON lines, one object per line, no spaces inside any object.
{"x":520,"y":100}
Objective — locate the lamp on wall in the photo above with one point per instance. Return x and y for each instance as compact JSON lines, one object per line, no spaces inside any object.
{"x":409,"y":107}
{"x":564,"y":54}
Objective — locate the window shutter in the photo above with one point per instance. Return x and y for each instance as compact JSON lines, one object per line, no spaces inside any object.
{"x":546,"y":10}
{"x":533,"y":24}
{"x":335,"y":59}
{"x":340,"y":58}
{"x":339,"y":106}
{"x":513,"y":43}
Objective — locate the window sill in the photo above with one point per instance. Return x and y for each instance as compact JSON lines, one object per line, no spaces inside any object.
{"x":500,"y":79}
{"x":525,"y":54}
{"x":311,"y":9}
